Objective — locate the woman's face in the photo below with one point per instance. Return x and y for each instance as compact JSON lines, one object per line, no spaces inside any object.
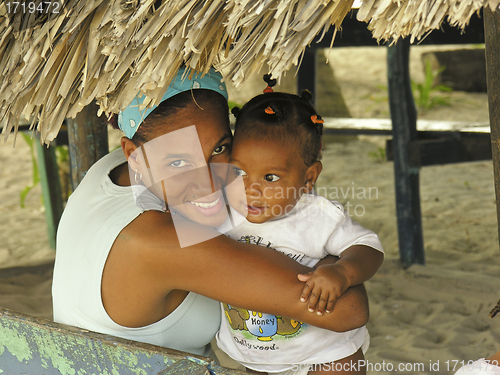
{"x":185,"y":163}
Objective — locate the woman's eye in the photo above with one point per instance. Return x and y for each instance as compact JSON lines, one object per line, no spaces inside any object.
{"x":271,"y":177}
{"x":179,"y":163}
{"x":219,"y":150}
{"x":239,"y":172}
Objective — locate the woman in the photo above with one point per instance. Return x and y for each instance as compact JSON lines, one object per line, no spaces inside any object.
{"x":126,"y":266}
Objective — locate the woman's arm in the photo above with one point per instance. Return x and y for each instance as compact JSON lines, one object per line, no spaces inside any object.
{"x":243,"y":275}
{"x":260,"y":279}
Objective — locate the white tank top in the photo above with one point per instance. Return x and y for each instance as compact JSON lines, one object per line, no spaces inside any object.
{"x":95,"y":214}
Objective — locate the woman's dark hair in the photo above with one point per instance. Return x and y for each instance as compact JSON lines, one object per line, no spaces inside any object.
{"x":197,"y":97}
{"x":285,"y":117}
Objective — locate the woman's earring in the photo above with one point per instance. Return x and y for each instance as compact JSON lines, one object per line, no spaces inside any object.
{"x":137,"y":177}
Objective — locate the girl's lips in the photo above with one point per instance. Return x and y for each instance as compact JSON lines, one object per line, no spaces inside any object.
{"x":252,"y":210}
{"x":208,"y":208}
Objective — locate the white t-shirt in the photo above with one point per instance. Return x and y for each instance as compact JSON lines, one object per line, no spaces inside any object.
{"x":96,"y":213}
{"x":315,"y":228}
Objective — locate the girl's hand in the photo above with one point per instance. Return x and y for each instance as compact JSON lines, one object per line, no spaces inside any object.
{"x":322,"y":287}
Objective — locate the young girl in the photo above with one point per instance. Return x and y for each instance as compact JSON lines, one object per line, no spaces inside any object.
{"x":276,"y":147}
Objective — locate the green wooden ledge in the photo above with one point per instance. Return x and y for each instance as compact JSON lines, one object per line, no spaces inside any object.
{"x":31,"y":345}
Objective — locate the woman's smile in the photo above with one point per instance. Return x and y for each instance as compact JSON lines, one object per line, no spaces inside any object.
{"x":208,"y":207}
{"x":207,"y":204}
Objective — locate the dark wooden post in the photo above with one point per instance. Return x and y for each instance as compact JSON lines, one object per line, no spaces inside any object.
{"x":51,"y":189}
{"x":306,"y":78}
{"x":88,"y":141}
{"x":492,"y":40}
{"x":404,"y":131}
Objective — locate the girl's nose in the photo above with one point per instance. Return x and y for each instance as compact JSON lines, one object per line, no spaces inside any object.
{"x":253,"y":189}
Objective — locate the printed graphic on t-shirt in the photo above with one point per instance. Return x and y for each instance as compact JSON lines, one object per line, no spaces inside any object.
{"x":261,"y":326}
{"x":264,"y":327}
{"x":258,"y":240}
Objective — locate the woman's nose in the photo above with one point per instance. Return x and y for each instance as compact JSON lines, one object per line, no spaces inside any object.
{"x":201,"y":182}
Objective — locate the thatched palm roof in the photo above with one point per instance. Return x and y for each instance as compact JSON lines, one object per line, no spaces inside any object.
{"x":109,"y":50}
{"x":393,"y":19}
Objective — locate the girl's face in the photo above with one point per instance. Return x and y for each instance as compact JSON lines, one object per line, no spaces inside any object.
{"x":274,"y":175}
{"x":185,"y":163}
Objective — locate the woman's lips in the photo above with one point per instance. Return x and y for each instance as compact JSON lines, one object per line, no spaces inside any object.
{"x":208,"y":208}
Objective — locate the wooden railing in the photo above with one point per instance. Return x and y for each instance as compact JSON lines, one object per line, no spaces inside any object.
{"x":36,"y":346}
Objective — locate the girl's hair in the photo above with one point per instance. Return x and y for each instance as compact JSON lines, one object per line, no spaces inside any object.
{"x":284,"y":117}
{"x":186,"y":99}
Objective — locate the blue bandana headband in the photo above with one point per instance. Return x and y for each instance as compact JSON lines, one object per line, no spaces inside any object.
{"x":131,"y":117}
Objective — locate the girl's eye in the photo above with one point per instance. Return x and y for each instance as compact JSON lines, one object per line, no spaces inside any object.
{"x":219,"y":150}
{"x":179,"y":163}
{"x":271,"y":177}
{"x":239,"y":172}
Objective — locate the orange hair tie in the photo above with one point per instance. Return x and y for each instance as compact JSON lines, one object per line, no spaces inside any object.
{"x":270,"y":83}
{"x":269,"y":111}
{"x":317,"y":120}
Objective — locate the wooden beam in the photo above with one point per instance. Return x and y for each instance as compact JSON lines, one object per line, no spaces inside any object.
{"x":404,"y":132}
{"x":185,"y":367}
{"x":492,"y":39}
{"x":438,"y":148}
{"x":88,"y":141}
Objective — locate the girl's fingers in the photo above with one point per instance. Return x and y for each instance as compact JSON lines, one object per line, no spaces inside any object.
{"x":329,"y":305}
{"x":322,"y":303}
{"x":304,"y":276}
{"x":306,"y":292}
{"x":313,"y":299}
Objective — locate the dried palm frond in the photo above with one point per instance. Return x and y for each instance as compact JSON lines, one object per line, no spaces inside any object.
{"x":276,"y":33}
{"x":394,"y":19}
{"x":110,"y":50}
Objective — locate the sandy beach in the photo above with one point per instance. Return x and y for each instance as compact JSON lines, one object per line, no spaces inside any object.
{"x":425,"y":319}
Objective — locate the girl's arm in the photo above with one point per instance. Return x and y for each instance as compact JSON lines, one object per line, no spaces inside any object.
{"x":327,"y":283}
{"x":243,"y":275}
{"x":360,"y":263}
{"x":357,"y":262}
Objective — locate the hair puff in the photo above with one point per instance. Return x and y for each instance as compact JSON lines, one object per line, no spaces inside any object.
{"x":269,"y":80}
{"x":235,"y":111}
{"x":306,"y":95}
